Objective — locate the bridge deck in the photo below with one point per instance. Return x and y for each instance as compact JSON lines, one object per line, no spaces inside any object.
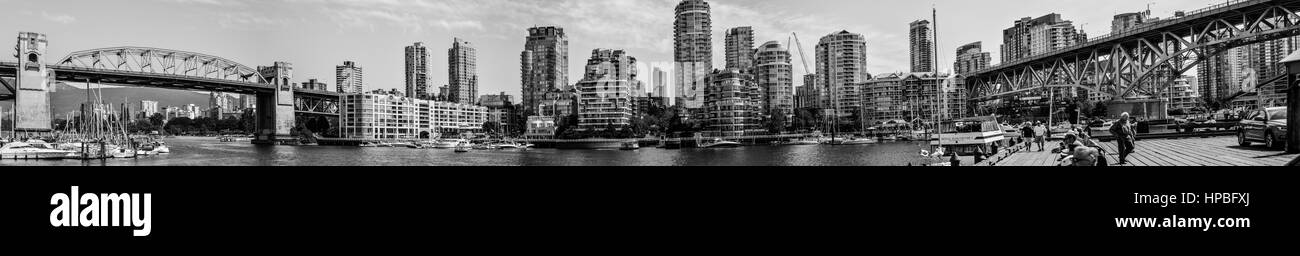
{"x":1213,"y":151}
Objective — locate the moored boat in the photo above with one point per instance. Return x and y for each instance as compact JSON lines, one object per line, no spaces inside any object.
{"x":630,"y":145}
{"x":23,"y":150}
{"x":719,"y":143}
{"x":968,"y":135}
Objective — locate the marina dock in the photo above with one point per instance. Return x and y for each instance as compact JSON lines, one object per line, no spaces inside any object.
{"x":1175,"y":151}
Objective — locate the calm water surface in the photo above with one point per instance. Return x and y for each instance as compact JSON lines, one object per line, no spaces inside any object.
{"x":203,"y":151}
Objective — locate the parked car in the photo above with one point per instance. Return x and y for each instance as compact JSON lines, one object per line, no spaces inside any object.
{"x":1267,"y":126}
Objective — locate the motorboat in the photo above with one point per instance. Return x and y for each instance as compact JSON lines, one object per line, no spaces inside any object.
{"x":486,"y":146}
{"x":415,"y":145}
{"x":719,"y":143}
{"x":463,"y":147}
{"x":513,"y":145}
{"x":369,"y":145}
{"x":630,"y":145}
{"x":855,"y":141}
{"x":226,"y":139}
{"x":803,"y":142}
{"x":161,"y":148}
{"x":23,"y":150}
{"x":121,"y":152}
{"x":448,"y":143}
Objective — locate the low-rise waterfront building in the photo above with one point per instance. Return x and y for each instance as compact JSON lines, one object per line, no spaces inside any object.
{"x":911,"y":96}
{"x":393,"y":116}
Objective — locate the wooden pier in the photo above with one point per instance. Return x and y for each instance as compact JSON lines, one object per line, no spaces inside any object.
{"x":1184,"y":151}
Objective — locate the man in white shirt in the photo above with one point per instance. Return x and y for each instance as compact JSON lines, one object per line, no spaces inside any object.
{"x":1040,"y":131}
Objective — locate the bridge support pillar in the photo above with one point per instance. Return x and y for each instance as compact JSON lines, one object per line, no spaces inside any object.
{"x":1292,"y":103}
{"x":32,"y":111}
{"x":275,"y":112}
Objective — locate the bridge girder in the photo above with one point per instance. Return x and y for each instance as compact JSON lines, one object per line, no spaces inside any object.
{"x":1145,"y":61}
{"x":163,"y":61}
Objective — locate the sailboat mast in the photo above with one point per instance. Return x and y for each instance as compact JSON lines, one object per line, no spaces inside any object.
{"x":934,"y":16}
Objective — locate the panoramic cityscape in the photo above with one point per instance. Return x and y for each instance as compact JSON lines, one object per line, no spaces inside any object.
{"x":653,"y":83}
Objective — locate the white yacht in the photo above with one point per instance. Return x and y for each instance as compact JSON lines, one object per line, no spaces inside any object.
{"x":23,"y":150}
{"x":448,"y":143}
{"x":719,"y":143}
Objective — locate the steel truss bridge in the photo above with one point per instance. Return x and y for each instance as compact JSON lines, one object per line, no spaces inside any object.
{"x":1144,"y":61}
{"x":173,"y":69}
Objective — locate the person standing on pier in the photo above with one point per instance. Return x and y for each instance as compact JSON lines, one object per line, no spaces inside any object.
{"x":1124,"y":136}
{"x":1040,"y":131}
{"x":1027,"y":134}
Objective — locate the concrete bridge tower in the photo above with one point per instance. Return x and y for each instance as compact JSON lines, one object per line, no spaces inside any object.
{"x":275,"y":110}
{"x":32,"y":112}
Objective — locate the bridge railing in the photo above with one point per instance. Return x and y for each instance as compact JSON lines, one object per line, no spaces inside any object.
{"x":1112,"y":35}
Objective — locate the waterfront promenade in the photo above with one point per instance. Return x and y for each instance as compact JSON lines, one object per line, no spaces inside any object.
{"x":1185,"y":151}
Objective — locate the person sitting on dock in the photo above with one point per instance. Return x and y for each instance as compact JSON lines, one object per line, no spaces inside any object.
{"x":1078,"y":153}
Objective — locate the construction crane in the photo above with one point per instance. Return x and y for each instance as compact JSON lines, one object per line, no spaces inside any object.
{"x":801,"y":54}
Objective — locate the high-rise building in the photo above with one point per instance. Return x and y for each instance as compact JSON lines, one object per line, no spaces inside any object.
{"x":462,"y":72}
{"x":732,"y":103}
{"x":1029,"y":37}
{"x":806,"y":95}
{"x":148,"y":108}
{"x":740,"y":48}
{"x":970,"y":58}
{"x":692,"y":51}
{"x":544,"y":65}
{"x":349,"y":78}
{"x":922,"y":46}
{"x":417,"y":71}
{"x":775,"y":80}
{"x":1129,"y":21}
{"x":1221,"y":76}
{"x":605,"y":92}
{"x":313,"y":84}
{"x":841,"y":67}
{"x":659,"y":83}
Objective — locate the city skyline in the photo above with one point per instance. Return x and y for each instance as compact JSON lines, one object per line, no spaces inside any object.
{"x":374,"y":32}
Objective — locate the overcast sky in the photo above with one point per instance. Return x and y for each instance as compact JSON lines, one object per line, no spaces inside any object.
{"x":316,"y":35}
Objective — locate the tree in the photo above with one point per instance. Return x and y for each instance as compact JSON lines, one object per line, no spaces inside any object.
{"x":157,"y":119}
{"x":248,"y":120}
{"x":776,"y":124}
{"x":1099,"y":110}
{"x":490,"y":127}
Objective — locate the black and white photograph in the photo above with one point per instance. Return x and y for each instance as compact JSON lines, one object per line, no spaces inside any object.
{"x":666,"y":83}
{"x":662,"y":127}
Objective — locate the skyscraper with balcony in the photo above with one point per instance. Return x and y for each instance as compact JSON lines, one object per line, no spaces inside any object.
{"x":970,"y":58}
{"x":1029,"y":37}
{"x":921,"y":44}
{"x":732,"y":104}
{"x":841,"y":67}
{"x":544,"y":65}
{"x":349,"y":77}
{"x":605,"y":92}
{"x":775,"y":80}
{"x":417,"y":71}
{"x":692,"y":51}
{"x":462,"y":72}
{"x":740,"y":48}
